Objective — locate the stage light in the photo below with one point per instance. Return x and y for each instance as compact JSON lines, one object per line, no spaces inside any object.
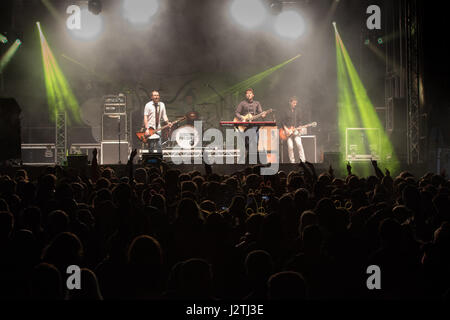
{"x":140,"y":11}
{"x":9,"y":54}
{"x":380,"y":40}
{"x":249,"y":13}
{"x":3,"y":39}
{"x":367,"y":42}
{"x":91,"y":26}
{"x":290,"y":24}
{"x":95,"y":6}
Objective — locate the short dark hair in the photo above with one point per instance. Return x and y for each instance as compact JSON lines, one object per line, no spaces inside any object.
{"x":249,"y":89}
{"x":293,"y":98}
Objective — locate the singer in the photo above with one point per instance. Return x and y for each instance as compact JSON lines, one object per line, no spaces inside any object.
{"x":154,"y":112}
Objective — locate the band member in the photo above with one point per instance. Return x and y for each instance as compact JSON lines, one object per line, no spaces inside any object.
{"x":154,"y":112}
{"x":290,"y":120}
{"x":245,"y":111}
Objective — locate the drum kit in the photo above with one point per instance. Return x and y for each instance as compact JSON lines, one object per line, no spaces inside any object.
{"x":185,"y":135}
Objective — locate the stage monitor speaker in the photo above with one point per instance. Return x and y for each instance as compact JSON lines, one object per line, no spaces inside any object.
{"x":87,"y":149}
{"x":152,"y":159}
{"x":110,"y":152}
{"x":10,"y":134}
{"x":110,"y":127}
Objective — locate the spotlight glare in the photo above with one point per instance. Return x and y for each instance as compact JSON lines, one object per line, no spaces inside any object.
{"x":290,"y":24}
{"x":249,"y":13}
{"x":91,"y":26}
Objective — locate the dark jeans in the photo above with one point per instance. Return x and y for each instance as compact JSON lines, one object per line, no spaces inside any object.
{"x":251,"y":140}
{"x":154,"y":144}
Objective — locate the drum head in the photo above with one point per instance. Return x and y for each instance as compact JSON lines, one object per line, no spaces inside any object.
{"x":187,"y":137}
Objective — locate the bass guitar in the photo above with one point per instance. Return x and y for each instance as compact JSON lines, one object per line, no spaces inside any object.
{"x":249,"y":118}
{"x":285,"y":134}
{"x":144,"y":137}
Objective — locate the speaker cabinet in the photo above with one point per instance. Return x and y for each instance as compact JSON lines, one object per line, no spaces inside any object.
{"x":110,"y":152}
{"x":310,"y":147}
{"x":112,"y":126}
{"x":10,"y":134}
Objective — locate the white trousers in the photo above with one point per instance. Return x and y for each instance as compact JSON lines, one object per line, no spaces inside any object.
{"x":290,"y":145}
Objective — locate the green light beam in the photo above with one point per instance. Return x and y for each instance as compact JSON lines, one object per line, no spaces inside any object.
{"x":367,"y":111}
{"x":59,"y":94}
{"x":250,"y":82}
{"x":347,"y":109}
{"x":6,"y":58}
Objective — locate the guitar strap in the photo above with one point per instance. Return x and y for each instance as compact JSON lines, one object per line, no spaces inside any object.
{"x":156,"y":115}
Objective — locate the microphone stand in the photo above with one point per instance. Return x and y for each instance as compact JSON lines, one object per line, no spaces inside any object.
{"x":120,"y":162}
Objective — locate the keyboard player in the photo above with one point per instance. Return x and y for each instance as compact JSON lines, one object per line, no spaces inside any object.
{"x":245,"y":111}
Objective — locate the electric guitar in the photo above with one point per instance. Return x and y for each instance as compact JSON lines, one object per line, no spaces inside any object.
{"x":249,"y":118}
{"x":144,"y":137}
{"x":284,"y":135}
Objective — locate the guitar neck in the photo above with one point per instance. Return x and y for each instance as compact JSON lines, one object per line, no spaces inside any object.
{"x":305,"y":126}
{"x":260,"y":115}
{"x":166,"y":126}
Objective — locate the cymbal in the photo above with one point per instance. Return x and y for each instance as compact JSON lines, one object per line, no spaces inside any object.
{"x":192,"y":115}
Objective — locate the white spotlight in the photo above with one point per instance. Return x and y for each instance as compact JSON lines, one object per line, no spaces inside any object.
{"x":290,"y":24}
{"x":140,"y":11}
{"x":249,"y":13}
{"x":91,"y":25}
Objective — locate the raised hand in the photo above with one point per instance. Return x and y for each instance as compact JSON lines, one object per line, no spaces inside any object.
{"x":133,"y":154}
{"x":349,"y":168}
{"x":94,"y":152}
{"x":388,"y":173}
{"x":374,"y":163}
{"x":331,"y":171}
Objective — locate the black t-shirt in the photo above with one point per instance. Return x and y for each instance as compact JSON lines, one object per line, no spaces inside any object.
{"x":291,"y":118}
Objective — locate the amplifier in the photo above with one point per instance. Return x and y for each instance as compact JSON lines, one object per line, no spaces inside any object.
{"x":114,"y":109}
{"x":310,"y":148}
{"x":115,"y":104}
{"x":110,"y":152}
{"x":112,"y":99}
{"x":111,"y":124}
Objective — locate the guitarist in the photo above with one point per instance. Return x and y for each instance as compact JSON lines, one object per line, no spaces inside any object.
{"x":290,"y":120}
{"x":244,"y":111}
{"x":154,"y":112}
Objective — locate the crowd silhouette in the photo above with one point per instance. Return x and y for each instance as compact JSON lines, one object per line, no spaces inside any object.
{"x":162,"y":234}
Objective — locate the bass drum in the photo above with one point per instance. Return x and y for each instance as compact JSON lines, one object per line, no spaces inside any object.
{"x":186,"y":137}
